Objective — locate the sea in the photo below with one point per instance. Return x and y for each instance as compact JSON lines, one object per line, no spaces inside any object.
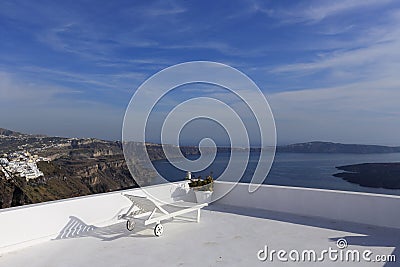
{"x":311,"y":170}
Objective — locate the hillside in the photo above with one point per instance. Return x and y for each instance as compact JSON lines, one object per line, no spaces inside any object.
{"x":81,"y":168}
{"x":6,"y":132}
{"x":76,"y":167}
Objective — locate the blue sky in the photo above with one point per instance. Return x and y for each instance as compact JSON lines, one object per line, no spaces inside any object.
{"x":328,"y":68}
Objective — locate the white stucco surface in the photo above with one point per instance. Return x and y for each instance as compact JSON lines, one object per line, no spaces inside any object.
{"x":226,"y":236}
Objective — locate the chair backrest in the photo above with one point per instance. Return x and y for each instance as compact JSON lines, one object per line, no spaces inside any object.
{"x":144,"y":204}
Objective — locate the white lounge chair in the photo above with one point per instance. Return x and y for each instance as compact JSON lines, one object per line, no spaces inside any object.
{"x":150,"y":212}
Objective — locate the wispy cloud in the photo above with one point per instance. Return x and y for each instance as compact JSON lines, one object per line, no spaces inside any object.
{"x":316,"y":11}
{"x":346,"y":59}
{"x":14,"y":89}
{"x":166,"y":10}
{"x":361,"y":112}
{"x":115,"y":81}
{"x":71,"y":30}
{"x":221,"y":47}
{"x":44,"y":108}
{"x":372,"y":55}
{"x":321,"y":10}
{"x":96,"y":54}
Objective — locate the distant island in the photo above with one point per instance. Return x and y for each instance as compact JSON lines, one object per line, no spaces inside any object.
{"x":329,"y":147}
{"x":378,"y":175}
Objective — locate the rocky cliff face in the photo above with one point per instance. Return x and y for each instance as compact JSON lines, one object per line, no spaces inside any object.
{"x":84,"y":167}
{"x":11,"y":194}
{"x":77,"y":167}
{"x":65,"y":178}
{"x":6,"y":190}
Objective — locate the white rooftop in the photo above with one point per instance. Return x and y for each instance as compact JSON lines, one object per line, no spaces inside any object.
{"x":227,"y":235}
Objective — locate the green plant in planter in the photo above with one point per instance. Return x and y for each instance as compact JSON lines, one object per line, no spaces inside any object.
{"x":199,"y":184}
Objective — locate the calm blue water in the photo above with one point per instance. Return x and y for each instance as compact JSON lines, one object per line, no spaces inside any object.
{"x":293,"y":169}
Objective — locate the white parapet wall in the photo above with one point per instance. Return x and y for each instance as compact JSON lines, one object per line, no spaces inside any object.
{"x":31,"y":224}
{"x":364,"y":208}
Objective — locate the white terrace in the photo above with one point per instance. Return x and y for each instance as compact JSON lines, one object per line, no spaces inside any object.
{"x":86,"y":231}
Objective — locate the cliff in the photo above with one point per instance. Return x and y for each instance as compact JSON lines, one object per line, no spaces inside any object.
{"x":77,"y":167}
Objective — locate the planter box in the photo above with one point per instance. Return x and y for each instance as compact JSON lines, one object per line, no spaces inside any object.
{"x":203,"y":196}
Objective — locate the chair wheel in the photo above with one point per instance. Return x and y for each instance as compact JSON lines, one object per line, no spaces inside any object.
{"x":158,"y":229}
{"x":130,"y":224}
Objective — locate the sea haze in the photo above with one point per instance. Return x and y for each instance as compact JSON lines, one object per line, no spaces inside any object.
{"x":312,"y":170}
